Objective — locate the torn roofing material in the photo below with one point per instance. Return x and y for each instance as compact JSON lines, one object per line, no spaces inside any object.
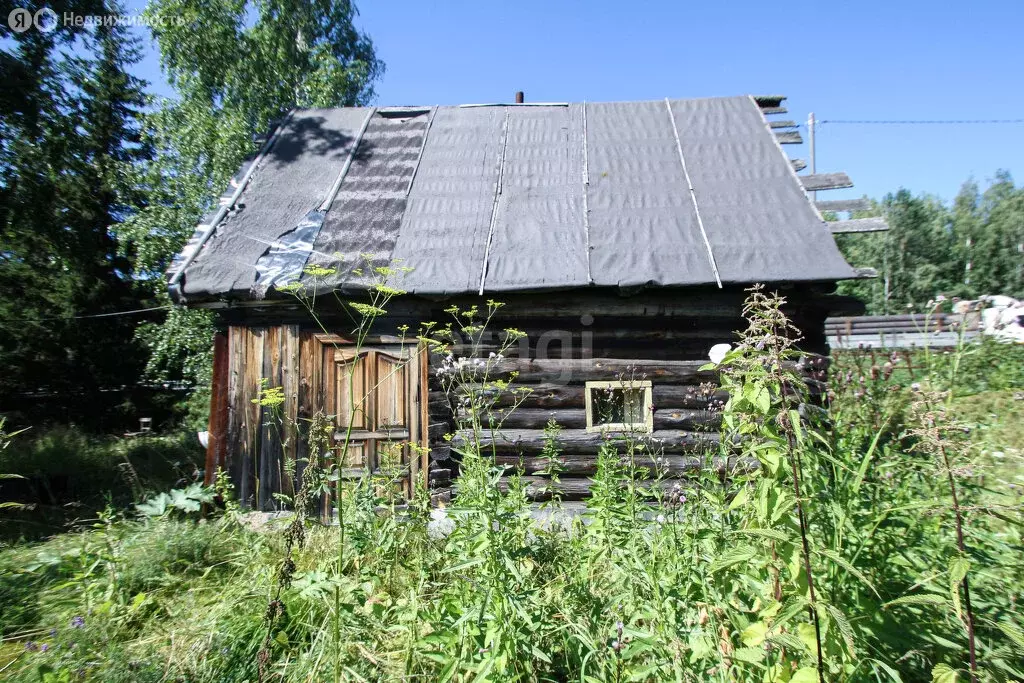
{"x":512,"y":198}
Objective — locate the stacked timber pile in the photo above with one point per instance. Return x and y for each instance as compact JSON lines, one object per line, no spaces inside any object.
{"x":940,"y":330}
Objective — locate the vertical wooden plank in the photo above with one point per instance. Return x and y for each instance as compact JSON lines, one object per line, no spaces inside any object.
{"x":251,"y":374}
{"x":236,"y":409}
{"x":306,"y":399}
{"x":325,"y":399}
{"x":316,"y":357}
{"x":352,"y":381}
{"x":306,"y":391}
{"x":268,"y":453}
{"x":422,"y":396}
{"x":329,"y":381}
{"x":290,"y":382}
{"x":392,"y":392}
{"x":216,"y":448}
{"x":276,"y":450}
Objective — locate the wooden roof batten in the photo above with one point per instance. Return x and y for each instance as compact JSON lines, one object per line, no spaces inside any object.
{"x":835,"y":181}
{"x":769,"y":104}
{"x":816,"y":182}
{"x":843,"y":205}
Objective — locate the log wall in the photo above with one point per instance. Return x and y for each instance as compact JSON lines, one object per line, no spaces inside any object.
{"x":571,"y":339}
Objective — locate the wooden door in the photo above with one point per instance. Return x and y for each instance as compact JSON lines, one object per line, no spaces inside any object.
{"x":379,"y":396}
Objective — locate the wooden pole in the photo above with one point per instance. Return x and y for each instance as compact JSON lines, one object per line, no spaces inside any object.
{"x":216,"y":445}
{"x":520,"y":98}
{"x":810,"y":138}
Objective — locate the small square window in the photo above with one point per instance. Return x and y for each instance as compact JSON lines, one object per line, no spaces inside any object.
{"x":619,"y":406}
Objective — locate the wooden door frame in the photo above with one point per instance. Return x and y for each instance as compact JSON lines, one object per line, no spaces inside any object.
{"x":418,"y":390}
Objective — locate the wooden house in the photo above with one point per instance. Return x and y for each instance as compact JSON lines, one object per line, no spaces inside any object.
{"x":620,"y":237}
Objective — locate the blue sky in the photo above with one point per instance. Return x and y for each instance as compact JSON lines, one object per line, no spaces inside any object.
{"x":900,"y":59}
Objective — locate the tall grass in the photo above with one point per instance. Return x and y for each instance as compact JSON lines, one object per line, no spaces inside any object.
{"x":703,"y":579}
{"x":65,"y":475}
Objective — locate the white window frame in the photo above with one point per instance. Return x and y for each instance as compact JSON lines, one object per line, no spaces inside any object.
{"x":647,"y":426}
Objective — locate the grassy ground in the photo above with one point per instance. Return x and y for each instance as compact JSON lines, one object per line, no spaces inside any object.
{"x":996,"y":417}
{"x":709,"y":585}
{"x":68,"y":475}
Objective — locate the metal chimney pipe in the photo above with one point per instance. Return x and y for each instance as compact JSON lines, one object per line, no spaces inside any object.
{"x":519,"y":97}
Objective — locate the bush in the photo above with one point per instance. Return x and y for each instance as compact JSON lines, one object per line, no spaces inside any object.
{"x":67,"y":474}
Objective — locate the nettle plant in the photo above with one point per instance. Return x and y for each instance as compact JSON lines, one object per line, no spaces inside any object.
{"x":772,"y":566}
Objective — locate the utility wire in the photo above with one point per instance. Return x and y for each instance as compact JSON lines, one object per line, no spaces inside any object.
{"x":95,"y":315}
{"x":912,"y":122}
{"x":905,"y":122}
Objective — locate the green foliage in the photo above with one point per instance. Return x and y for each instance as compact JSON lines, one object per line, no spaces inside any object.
{"x":990,"y":365}
{"x":966,"y":250}
{"x":125,"y":581}
{"x":5,"y":441}
{"x":71,"y":125}
{"x":177,"y":502}
{"x":236,"y":67}
{"x":702,"y":579}
{"x":64,"y":470}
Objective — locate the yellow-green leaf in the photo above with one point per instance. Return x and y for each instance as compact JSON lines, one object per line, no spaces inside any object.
{"x":753,"y":635}
{"x":807,"y":637}
{"x":806,"y":674}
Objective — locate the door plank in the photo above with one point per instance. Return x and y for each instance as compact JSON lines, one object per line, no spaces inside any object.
{"x":392,"y":393}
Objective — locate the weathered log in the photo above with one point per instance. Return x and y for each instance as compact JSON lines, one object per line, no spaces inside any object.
{"x":438,"y":404}
{"x":798,"y":164}
{"x":789,"y":138}
{"x":825,"y":181}
{"x":550,"y":395}
{"x":539,"y":488}
{"x":699,"y":330}
{"x":686,"y":419}
{"x":585,"y":465}
{"x":581,"y":441}
{"x":843,"y":205}
{"x":651,"y":304}
{"x":592,"y":369}
{"x":439,"y":477}
{"x":878,"y":318}
{"x":888,"y":327}
{"x":858,"y":225}
{"x":575,"y":418}
{"x":920,"y":323}
{"x":767,"y":111}
{"x":537,"y":418}
{"x":769,"y":100}
{"x":440,"y":453}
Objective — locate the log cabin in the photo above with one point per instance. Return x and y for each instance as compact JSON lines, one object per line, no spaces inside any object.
{"x":620,"y":238}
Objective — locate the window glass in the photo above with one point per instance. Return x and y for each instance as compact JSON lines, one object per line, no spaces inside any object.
{"x":619,"y":405}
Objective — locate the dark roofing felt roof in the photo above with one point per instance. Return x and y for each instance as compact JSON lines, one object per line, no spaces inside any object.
{"x":511,"y":197}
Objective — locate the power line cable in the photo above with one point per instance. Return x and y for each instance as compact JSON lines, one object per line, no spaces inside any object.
{"x":905,"y":122}
{"x":912,"y":122}
{"x":94,"y":315}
